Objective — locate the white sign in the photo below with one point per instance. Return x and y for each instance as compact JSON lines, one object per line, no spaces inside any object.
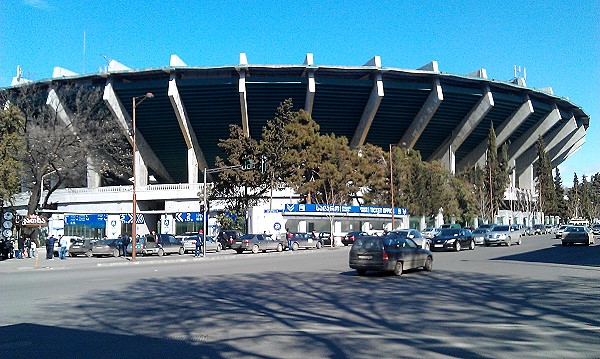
{"x":113,"y":225}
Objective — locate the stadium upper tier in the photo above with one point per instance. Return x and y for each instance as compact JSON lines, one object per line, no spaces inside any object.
{"x":444,"y":116}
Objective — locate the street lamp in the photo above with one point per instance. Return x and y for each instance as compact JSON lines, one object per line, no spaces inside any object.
{"x":42,"y":185}
{"x":392,"y":184}
{"x":134,"y":220}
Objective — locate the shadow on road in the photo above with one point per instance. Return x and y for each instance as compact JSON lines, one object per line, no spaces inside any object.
{"x":337,"y":315}
{"x":579,"y":255}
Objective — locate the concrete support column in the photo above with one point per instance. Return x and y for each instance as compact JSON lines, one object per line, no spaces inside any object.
{"x":526,"y":180}
{"x":302,"y":226}
{"x":503,"y":132}
{"x":369,"y":112}
{"x":243,"y":97}
{"x":424,"y":115}
{"x":94,"y":177}
{"x":465,"y":128}
{"x":529,"y":138}
{"x":311,"y":88}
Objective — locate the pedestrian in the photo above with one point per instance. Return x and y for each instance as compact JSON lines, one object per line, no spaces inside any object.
{"x":154,"y":236}
{"x":199,"y":243}
{"x":62,"y":252}
{"x":124,"y":243}
{"x":34,"y":246}
{"x":289,"y":238}
{"x":28,"y":247}
{"x":50,"y":247}
{"x":20,"y":247}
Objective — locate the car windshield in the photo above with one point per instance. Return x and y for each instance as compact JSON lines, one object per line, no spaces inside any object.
{"x":368,"y":244}
{"x":500,"y":229}
{"x":480,"y":230}
{"x":448,"y":232}
{"x":402,"y":234}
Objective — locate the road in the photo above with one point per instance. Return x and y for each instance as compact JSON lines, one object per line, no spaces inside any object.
{"x":535,"y":300}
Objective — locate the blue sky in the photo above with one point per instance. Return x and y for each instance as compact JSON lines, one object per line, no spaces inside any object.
{"x":558,"y":42}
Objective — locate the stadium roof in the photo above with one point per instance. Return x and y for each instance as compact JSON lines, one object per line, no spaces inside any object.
{"x":444,"y":116}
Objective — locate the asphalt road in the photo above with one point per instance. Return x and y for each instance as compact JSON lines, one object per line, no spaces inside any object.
{"x":535,"y":300}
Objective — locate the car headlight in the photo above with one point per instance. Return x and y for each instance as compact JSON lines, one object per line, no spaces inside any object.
{"x":451,"y":240}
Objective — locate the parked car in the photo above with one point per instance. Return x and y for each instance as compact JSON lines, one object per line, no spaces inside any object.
{"x":325,"y":238}
{"x":577,"y":234}
{"x":350,"y":237}
{"x":189,"y":244}
{"x":82,"y":246}
{"x":304,"y":240}
{"x":257,"y":243}
{"x":166,"y":244}
{"x":388,"y":253}
{"x":528,"y":231}
{"x":596,"y":229}
{"x":107,"y":247}
{"x":479,"y":235}
{"x":502,"y":234}
{"x":227,"y":237}
{"x":71,"y":239}
{"x":539,"y":229}
{"x":560,"y":231}
{"x":453,"y":239}
{"x":430,"y":232}
{"x":412,"y":234}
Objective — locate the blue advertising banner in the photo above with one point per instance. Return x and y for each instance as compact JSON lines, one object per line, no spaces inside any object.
{"x":90,"y":220}
{"x":339,"y":208}
{"x":188,"y":217}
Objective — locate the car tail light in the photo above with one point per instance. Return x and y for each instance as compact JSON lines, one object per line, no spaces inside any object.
{"x":385,"y":256}
{"x":246,"y":241}
{"x":352,"y":238}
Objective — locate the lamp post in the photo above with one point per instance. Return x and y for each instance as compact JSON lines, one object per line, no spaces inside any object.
{"x":134,"y":201}
{"x":392,"y":184}
{"x":42,"y":187}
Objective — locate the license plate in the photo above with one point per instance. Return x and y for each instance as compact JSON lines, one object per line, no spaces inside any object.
{"x":365,"y":257}
{"x":438,"y":245}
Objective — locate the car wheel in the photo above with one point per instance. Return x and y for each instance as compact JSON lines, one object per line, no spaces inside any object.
{"x":255,"y":248}
{"x":239,"y":251}
{"x":519,"y":241}
{"x":115,"y":253}
{"x":361,"y":272}
{"x":487,"y":244}
{"x":89,"y":253}
{"x":472,"y":245}
{"x":181,"y":251}
{"x":428,"y":264}
{"x":457,"y":246}
{"x":280,"y":247}
{"x":295,"y":246}
{"x":219,"y":247}
{"x":161,"y":252}
{"x":509,"y":242}
{"x":564,"y":243}
{"x":72,"y":255}
{"x":318,"y":245}
{"x":398,"y":268}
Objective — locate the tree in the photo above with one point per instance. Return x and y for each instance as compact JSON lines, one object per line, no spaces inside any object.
{"x":476,"y":177}
{"x":64,"y":146}
{"x":12,"y":126}
{"x":544,"y":184}
{"x":242,"y":187}
{"x":497,"y":172}
{"x":562,"y":210}
{"x":376,"y":168}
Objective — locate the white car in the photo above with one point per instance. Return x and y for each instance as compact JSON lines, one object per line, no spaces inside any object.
{"x":430,"y":232}
{"x":560,"y":231}
{"x":479,"y":235}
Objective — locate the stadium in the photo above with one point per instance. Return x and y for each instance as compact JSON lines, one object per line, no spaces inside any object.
{"x":444,"y":116}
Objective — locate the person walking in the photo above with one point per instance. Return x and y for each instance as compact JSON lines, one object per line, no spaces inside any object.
{"x":199,"y":243}
{"x":289,"y":238}
{"x":125,"y":242}
{"x":28,"y":247}
{"x":62,"y":252}
{"x":20,"y":247}
{"x":50,"y":247}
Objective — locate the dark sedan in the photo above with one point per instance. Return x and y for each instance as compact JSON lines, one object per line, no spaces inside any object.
{"x":82,"y":246}
{"x":107,"y":247}
{"x":453,"y":239}
{"x":256,"y":243}
{"x":390,"y":254}
{"x":577,"y":234}
{"x":350,"y":237}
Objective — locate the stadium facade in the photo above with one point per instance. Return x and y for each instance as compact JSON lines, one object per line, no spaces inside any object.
{"x":444,"y":116}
